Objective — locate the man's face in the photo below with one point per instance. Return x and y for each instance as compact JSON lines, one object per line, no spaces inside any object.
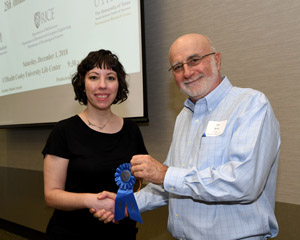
{"x":199,"y":80}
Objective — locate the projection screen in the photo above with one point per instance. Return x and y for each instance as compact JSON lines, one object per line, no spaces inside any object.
{"x":41,"y":44}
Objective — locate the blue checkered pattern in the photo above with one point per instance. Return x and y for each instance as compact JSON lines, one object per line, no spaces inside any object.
{"x":221,"y":187}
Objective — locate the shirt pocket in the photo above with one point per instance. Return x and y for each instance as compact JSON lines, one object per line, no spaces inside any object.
{"x":211,"y":151}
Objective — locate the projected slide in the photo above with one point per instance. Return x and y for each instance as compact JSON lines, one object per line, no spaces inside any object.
{"x":42,"y":42}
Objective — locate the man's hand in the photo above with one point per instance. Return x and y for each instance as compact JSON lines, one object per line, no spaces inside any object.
{"x":106,"y":215}
{"x":147,"y":168}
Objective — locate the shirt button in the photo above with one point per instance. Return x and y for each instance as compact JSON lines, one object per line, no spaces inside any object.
{"x":176,"y":215}
{"x":183,"y":165}
{"x":197,"y":121}
{"x":190,"y":142}
{"x":172,"y":189}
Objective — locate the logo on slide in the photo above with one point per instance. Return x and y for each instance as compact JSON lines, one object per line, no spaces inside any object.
{"x":43,"y":17}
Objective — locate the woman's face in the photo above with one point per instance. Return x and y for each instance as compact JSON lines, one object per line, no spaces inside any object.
{"x":101,"y":87}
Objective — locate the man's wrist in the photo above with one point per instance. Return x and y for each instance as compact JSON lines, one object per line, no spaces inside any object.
{"x":164,"y":171}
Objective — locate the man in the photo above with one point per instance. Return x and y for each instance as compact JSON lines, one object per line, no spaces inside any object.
{"x":219,"y":178}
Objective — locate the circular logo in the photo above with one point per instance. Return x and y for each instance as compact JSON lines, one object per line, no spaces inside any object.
{"x":125,"y":176}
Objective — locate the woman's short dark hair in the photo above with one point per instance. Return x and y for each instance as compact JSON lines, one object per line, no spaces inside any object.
{"x":102,"y":59}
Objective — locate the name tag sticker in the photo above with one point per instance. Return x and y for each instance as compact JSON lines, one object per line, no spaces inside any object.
{"x":215,"y":128}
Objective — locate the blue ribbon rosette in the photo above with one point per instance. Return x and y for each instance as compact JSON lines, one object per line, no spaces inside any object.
{"x":125,"y":196}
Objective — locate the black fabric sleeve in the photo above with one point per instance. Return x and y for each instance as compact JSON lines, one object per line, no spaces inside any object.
{"x":56,"y":143}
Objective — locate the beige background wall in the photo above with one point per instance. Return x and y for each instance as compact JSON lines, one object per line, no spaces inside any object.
{"x":260,"y":44}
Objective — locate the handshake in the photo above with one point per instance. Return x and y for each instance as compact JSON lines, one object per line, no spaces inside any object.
{"x":107,"y":213}
{"x":143,"y":167}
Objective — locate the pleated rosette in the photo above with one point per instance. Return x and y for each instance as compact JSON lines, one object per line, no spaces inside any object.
{"x":125,"y":196}
{"x":123,"y":177}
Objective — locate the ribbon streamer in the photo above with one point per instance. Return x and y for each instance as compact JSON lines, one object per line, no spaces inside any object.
{"x":125,"y":196}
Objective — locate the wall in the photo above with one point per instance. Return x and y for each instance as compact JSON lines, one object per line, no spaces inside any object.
{"x":259,"y":41}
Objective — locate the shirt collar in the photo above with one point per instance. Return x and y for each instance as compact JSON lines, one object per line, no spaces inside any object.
{"x":211,"y":101}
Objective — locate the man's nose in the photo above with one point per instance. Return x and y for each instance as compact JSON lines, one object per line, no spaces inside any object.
{"x":187,"y":71}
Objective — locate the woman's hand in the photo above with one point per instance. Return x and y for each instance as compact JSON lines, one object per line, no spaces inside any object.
{"x":106,"y":213}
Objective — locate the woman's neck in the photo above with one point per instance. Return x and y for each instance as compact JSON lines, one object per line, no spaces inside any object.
{"x":102,"y":120}
{"x":99,"y":119}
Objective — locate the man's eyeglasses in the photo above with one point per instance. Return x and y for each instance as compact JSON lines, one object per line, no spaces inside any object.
{"x":194,"y":61}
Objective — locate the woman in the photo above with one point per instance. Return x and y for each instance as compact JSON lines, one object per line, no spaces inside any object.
{"x":83,"y":152}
